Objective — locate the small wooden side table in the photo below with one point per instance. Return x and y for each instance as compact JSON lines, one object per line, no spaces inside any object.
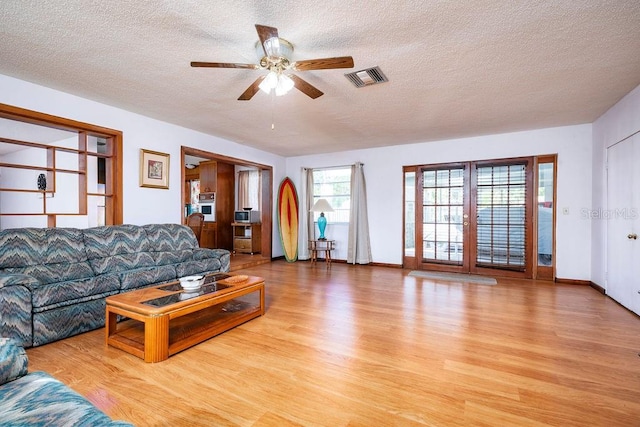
{"x":327,"y":246}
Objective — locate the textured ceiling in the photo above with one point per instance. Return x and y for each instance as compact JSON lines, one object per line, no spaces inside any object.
{"x":455,"y":68}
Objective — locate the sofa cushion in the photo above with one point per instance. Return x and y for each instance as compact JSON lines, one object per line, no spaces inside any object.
{"x":173,"y":243}
{"x":117,"y":248}
{"x":40,"y":399}
{"x":197,"y":267}
{"x":65,"y":245}
{"x":170,"y":237}
{"x":146,"y":276}
{"x":15,"y":314}
{"x":45,"y":296}
{"x":13,"y":360}
{"x":49,"y":255}
{"x":52,"y":273}
{"x":22,"y":247}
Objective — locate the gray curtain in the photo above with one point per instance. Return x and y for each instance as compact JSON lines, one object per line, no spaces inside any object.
{"x":307,"y":231}
{"x":359,"y":250}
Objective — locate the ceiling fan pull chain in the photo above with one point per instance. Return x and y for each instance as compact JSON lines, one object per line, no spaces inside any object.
{"x":273,"y":96}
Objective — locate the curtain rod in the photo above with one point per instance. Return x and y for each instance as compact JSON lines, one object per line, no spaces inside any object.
{"x":333,"y":167}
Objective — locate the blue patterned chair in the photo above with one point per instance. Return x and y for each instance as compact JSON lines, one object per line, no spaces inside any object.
{"x":53,"y":281}
{"x":38,"y":399}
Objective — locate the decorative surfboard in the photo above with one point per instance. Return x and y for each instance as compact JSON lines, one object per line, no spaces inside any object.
{"x":288,"y":219}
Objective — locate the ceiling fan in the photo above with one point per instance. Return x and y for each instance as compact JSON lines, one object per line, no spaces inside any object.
{"x":277,"y":59}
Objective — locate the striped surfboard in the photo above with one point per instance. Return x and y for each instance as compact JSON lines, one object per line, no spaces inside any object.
{"x":288,"y":219}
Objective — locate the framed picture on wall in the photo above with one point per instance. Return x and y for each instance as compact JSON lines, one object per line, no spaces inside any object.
{"x":154,"y":169}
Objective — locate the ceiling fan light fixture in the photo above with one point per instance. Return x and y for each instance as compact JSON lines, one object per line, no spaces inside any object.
{"x":285,"y":84}
{"x":269,"y":82}
{"x":274,"y":49}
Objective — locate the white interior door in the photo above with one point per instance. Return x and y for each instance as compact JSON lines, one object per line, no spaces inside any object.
{"x":623,"y":223}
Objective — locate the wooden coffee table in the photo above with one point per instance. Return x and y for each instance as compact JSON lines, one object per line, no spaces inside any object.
{"x":164,"y":320}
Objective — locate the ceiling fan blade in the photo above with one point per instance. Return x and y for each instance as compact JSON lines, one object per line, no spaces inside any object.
{"x":324,"y":63}
{"x":224,"y":65}
{"x":251,"y":90}
{"x":306,"y":88}
{"x":265,"y":33}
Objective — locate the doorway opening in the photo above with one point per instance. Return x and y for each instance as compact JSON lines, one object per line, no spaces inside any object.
{"x":207,"y":172}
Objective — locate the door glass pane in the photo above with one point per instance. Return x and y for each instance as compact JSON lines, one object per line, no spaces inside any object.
{"x":429,"y":196}
{"x":409,"y":214}
{"x":443,"y":200}
{"x":501,"y":216}
{"x":545,"y":214}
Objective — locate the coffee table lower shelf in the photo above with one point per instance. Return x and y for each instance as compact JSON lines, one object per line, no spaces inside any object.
{"x":154,"y":336}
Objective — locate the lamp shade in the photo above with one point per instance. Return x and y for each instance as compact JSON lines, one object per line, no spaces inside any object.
{"x":269,"y":82}
{"x":322,"y":206}
{"x":285,"y":84}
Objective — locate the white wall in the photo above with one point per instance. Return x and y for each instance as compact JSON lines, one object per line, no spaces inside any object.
{"x":621,"y":121}
{"x":383,"y":174}
{"x":141,"y":205}
{"x":383,"y":169}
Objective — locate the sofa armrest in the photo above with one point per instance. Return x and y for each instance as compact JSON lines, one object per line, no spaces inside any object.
{"x":13,"y":360}
{"x":222,"y":255}
{"x":205,"y":253}
{"x":9,"y":279}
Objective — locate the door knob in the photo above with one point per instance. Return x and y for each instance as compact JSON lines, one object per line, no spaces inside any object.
{"x":633,"y":236}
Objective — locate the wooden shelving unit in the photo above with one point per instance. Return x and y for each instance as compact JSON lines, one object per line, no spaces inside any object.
{"x":246,"y":237}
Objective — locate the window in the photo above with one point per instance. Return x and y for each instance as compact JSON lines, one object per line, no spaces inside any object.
{"x":249,"y":185}
{"x":410,"y":213}
{"x":545,"y":207}
{"x":334,"y":185}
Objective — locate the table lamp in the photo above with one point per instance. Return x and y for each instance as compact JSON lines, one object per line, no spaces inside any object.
{"x":322,"y":206}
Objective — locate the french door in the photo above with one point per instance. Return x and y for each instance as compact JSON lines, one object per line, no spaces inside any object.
{"x":473,"y":217}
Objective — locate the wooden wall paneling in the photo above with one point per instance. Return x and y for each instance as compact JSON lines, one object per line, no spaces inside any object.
{"x":225,"y":204}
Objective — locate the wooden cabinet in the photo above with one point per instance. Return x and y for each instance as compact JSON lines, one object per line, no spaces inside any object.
{"x":209,"y":238}
{"x":192,"y":174}
{"x":246,"y":237}
{"x":208,"y":176}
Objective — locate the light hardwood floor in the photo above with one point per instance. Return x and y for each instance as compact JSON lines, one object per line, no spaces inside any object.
{"x":371,"y":346}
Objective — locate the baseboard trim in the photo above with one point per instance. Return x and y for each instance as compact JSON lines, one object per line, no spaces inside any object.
{"x":573,"y":281}
{"x":384,"y":264}
{"x":344,"y":261}
{"x":598,"y":288}
{"x":582,"y":283}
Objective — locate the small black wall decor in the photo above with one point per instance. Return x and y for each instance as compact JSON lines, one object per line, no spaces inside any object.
{"x":42,"y":182}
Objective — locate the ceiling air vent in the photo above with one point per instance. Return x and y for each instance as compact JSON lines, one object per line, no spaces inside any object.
{"x":367,"y":77}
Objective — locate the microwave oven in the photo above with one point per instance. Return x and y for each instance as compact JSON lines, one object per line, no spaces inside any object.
{"x":246,"y":216}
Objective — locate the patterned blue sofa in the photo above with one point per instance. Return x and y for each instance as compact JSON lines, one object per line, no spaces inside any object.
{"x":38,"y":399}
{"x":54,"y":281}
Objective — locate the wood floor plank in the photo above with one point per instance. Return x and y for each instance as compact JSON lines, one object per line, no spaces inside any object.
{"x":371,"y":346}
